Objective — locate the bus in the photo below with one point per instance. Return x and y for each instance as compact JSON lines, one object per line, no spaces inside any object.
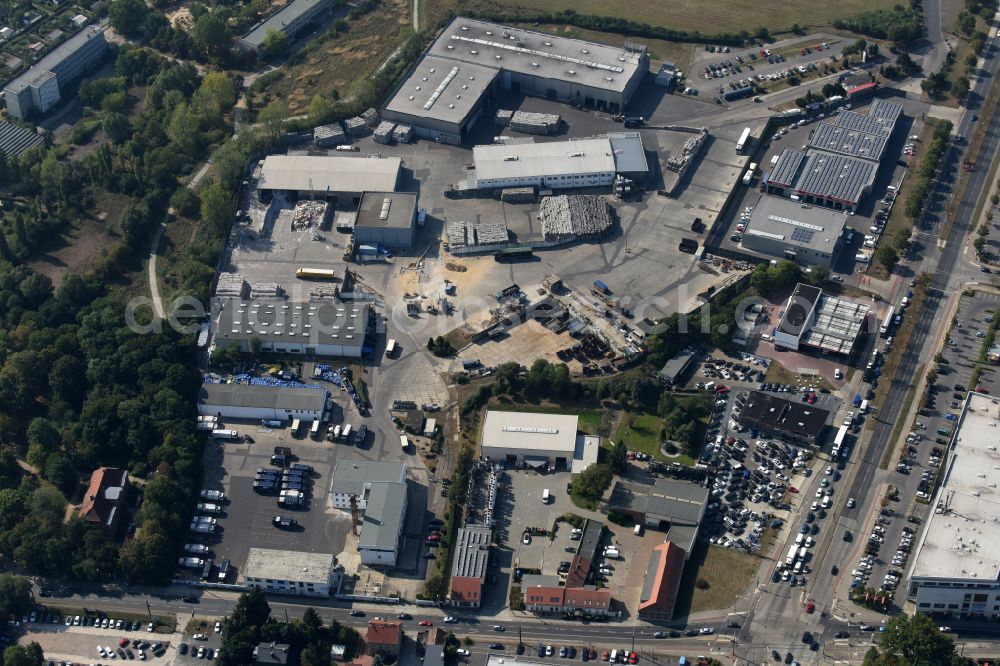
{"x":315,"y":273}
{"x":838,"y":441}
{"x":390,"y":347}
{"x":886,"y":322}
{"x":513,"y":254}
{"x":741,"y":144}
{"x":404,"y":442}
{"x":314,"y":430}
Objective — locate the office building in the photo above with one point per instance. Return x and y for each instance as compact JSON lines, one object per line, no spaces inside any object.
{"x":291,"y":572}
{"x":40,"y":88}
{"x":290,"y":19}
{"x":246,"y":401}
{"x":356,"y":477}
{"x":955,"y":570}
{"x":543,"y":595}
{"x":379,"y":492}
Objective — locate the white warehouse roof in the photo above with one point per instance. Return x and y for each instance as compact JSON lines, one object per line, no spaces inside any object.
{"x":332,"y":173}
{"x":291,"y":565}
{"x":581,"y":156}
{"x":528,"y":431}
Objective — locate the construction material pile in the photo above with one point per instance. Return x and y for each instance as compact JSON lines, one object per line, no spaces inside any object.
{"x":356,"y":126}
{"x":466,"y":234}
{"x":231,"y":284}
{"x":688,"y":152}
{"x":326,"y":136}
{"x":518,"y":195}
{"x":383,"y":133}
{"x":308,"y":214}
{"x":583,"y":216}
{"x":264,"y":290}
{"x":371,"y":116}
{"x":322,"y":293}
{"x":403,"y":133}
{"x":503,"y":117}
{"x":535,"y":123}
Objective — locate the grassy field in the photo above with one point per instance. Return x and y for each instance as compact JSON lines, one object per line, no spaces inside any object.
{"x":641,"y":432}
{"x":339,"y":62}
{"x":727,"y":572}
{"x":777,"y":373}
{"x":732,"y":16}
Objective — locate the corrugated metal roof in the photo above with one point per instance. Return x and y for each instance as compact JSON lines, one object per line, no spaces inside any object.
{"x":15,"y":139}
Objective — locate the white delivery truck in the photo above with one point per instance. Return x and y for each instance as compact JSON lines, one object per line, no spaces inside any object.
{"x":314,"y":430}
{"x":545,"y":496}
{"x":225,"y":434}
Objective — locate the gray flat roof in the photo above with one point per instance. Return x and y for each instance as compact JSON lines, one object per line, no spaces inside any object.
{"x":276,"y":397}
{"x":880,"y":119}
{"x":43,"y":68}
{"x":398,"y":214}
{"x":835,"y":325}
{"x":315,"y":322}
{"x":537,"y":54}
{"x":442,"y":89}
{"x":530,"y":431}
{"x":962,"y":537}
{"x":626,"y":147}
{"x":15,"y":140}
{"x":289,"y":565}
{"x":383,"y":516}
{"x":278,"y":20}
{"x":472,"y":552}
{"x":332,"y":173}
{"x":836,"y":176}
{"x":539,"y":580}
{"x":677,"y":365}
{"x":852,"y":142}
{"x":797,"y":224}
{"x":801,"y":303}
{"x":578,"y":156}
{"x":351,"y":475}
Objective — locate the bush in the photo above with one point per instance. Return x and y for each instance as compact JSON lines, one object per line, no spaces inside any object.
{"x":702,"y":584}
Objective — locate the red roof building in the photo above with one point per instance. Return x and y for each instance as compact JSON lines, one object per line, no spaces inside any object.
{"x":543,"y":594}
{"x":663,"y":578}
{"x":384,"y":637}
{"x":101,"y":505}
{"x":468,"y":572}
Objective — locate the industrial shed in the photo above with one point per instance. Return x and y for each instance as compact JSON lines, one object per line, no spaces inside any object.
{"x":674,"y":504}
{"x":329,"y":176}
{"x":386,"y":219}
{"x":242,"y":401}
{"x":528,"y":439}
{"x":785,"y":229}
{"x":322,"y":328}
{"x":290,"y":19}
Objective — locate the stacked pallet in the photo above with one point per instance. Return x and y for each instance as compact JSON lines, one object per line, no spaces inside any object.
{"x":327,"y":136}
{"x":231,"y":285}
{"x":371,"y":117}
{"x":264,"y":290}
{"x":535,"y":123}
{"x":383,"y":133}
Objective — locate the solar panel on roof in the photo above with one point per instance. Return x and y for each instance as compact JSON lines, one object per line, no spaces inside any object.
{"x":802,"y":235}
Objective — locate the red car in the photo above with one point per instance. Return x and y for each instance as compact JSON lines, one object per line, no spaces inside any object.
{"x":793,"y":489}
{"x":810,"y":607}
{"x":721,"y":389}
{"x":633,"y":658}
{"x":122,"y":642}
{"x":631,"y":455}
{"x":425,"y":623}
{"x":433,"y":537}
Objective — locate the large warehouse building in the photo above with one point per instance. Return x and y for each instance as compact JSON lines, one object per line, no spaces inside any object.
{"x":956,"y":565}
{"x":379,"y":491}
{"x":813,"y":319}
{"x":242,"y":401}
{"x":448,"y":89}
{"x":321,"y":328}
{"x":41,"y":87}
{"x":807,"y":235}
{"x":675,"y":505}
{"x":386,"y":218}
{"x":527,"y":439}
{"x":560,"y":164}
{"x":838,"y":167}
{"x":328,"y":176}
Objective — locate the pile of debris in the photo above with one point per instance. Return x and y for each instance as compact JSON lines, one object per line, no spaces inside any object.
{"x":356,"y":126}
{"x":691,"y":147}
{"x":265,"y":290}
{"x":383,"y":133}
{"x":575,"y":216}
{"x":326,"y":136}
{"x":323,"y":293}
{"x":309,"y":214}
{"x":535,"y":123}
{"x":518,"y":195}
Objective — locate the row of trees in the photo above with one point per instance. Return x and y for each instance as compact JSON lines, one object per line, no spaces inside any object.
{"x":900,"y":25}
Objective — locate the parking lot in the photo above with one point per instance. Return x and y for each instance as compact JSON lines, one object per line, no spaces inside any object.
{"x":90,"y":642}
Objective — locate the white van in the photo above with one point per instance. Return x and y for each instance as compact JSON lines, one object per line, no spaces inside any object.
{"x":799,"y":538}
{"x":797,"y":568}
{"x":611,"y":553}
{"x":637,"y":530}
{"x":826,"y":502}
{"x":614,"y":656}
{"x":545,"y":496}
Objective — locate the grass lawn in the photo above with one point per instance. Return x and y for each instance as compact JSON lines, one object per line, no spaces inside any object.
{"x":779,"y":374}
{"x":640,"y":432}
{"x":732,"y":16}
{"x":727,"y":572}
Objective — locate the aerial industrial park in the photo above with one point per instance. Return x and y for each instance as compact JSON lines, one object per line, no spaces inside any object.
{"x":555,"y":351}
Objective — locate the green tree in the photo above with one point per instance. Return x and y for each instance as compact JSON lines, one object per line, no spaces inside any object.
{"x":917,"y":641}
{"x":23,"y":655}
{"x":127,"y":16}
{"x":217,"y":93}
{"x":593,"y":481}
{"x":43,"y":439}
{"x":274,"y":44}
{"x":116,"y":126}
{"x":216,"y":206}
{"x":319,"y":109}
{"x":315,"y":654}
{"x":619,"y":457}
{"x":15,"y":595}
{"x":273,"y":117}
{"x":210,"y":34}
{"x":887,"y":256}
